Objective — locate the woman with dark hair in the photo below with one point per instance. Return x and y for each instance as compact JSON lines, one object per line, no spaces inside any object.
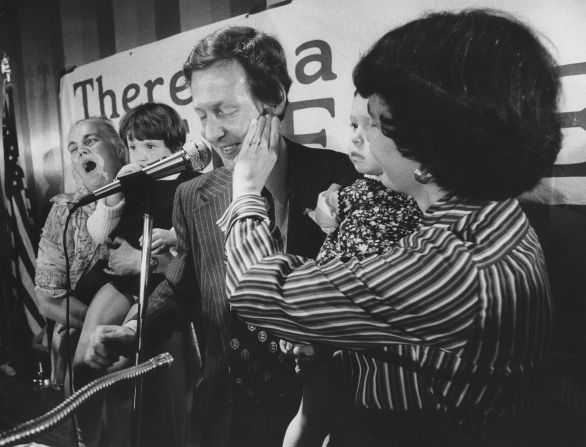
{"x":464,"y":120}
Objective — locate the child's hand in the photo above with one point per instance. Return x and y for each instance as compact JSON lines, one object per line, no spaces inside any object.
{"x":326,"y":213}
{"x":128,"y":169}
{"x":286,"y":347}
{"x":115,"y":199}
{"x":123,"y":259}
{"x":161,"y":240}
{"x":310,"y":357}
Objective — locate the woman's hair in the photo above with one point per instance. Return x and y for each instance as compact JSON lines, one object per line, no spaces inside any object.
{"x":261,"y":56}
{"x":107,"y":129}
{"x":154,"y":121}
{"x":472,"y":96}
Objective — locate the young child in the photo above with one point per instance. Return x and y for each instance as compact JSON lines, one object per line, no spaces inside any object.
{"x":361,"y":220}
{"x":151,"y":132}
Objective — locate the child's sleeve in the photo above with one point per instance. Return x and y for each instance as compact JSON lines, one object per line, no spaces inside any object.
{"x":104,"y":220}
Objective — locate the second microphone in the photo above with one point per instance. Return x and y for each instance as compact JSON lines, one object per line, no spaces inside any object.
{"x":195,"y":156}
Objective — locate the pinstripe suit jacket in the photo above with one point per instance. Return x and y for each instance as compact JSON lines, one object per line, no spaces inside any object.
{"x":195,"y":280}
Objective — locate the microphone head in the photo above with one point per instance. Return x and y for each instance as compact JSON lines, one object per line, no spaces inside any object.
{"x":199,"y":154}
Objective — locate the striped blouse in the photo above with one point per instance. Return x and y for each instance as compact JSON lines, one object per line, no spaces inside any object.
{"x":460,"y":309}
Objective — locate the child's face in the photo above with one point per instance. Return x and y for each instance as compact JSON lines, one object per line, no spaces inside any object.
{"x":359,"y":151}
{"x":145,"y":152}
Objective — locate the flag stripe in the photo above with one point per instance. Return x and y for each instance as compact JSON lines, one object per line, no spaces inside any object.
{"x":22,"y":243}
{"x":20,"y":240}
{"x":26,"y":272}
{"x":24,"y":223}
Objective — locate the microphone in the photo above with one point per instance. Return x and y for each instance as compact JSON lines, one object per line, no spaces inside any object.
{"x":195,"y":156}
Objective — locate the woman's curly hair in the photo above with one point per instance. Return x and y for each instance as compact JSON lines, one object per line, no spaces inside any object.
{"x":472,"y":97}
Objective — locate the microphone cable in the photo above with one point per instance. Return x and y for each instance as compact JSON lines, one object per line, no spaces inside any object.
{"x":33,"y":427}
{"x":68,"y":291}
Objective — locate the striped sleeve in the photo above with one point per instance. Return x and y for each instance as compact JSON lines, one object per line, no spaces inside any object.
{"x":423,"y":291}
{"x":249,"y":210}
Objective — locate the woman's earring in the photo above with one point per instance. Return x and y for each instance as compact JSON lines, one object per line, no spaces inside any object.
{"x":422,"y":175}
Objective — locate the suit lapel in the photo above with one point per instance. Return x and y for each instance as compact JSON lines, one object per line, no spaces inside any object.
{"x":212,"y":198}
{"x":304,"y":237}
{"x":215,"y":191}
{"x":304,"y":182}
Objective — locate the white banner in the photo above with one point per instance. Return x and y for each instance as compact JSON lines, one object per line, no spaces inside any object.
{"x":323,"y":40}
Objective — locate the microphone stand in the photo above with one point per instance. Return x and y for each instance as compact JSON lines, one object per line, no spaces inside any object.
{"x":147,"y":229}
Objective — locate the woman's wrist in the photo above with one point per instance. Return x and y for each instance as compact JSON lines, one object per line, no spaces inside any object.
{"x":245,"y":189}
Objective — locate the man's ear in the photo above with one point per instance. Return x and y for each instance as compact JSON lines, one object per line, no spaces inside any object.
{"x":278,"y":109}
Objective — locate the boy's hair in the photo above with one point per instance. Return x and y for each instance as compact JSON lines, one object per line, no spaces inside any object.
{"x":472,"y":97}
{"x":261,"y":56}
{"x":154,"y":121}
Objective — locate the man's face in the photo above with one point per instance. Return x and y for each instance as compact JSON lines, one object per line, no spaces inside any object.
{"x":225,"y":106}
{"x":95,"y":160}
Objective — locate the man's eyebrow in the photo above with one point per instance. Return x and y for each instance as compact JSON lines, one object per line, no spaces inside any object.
{"x":208,"y":105}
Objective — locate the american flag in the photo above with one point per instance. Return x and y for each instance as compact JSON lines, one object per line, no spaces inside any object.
{"x":18,"y":248}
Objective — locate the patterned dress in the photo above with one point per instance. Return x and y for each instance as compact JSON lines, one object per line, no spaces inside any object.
{"x":373,"y":218}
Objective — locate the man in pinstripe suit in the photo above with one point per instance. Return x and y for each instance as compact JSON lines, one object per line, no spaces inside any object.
{"x":236,"y":75}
